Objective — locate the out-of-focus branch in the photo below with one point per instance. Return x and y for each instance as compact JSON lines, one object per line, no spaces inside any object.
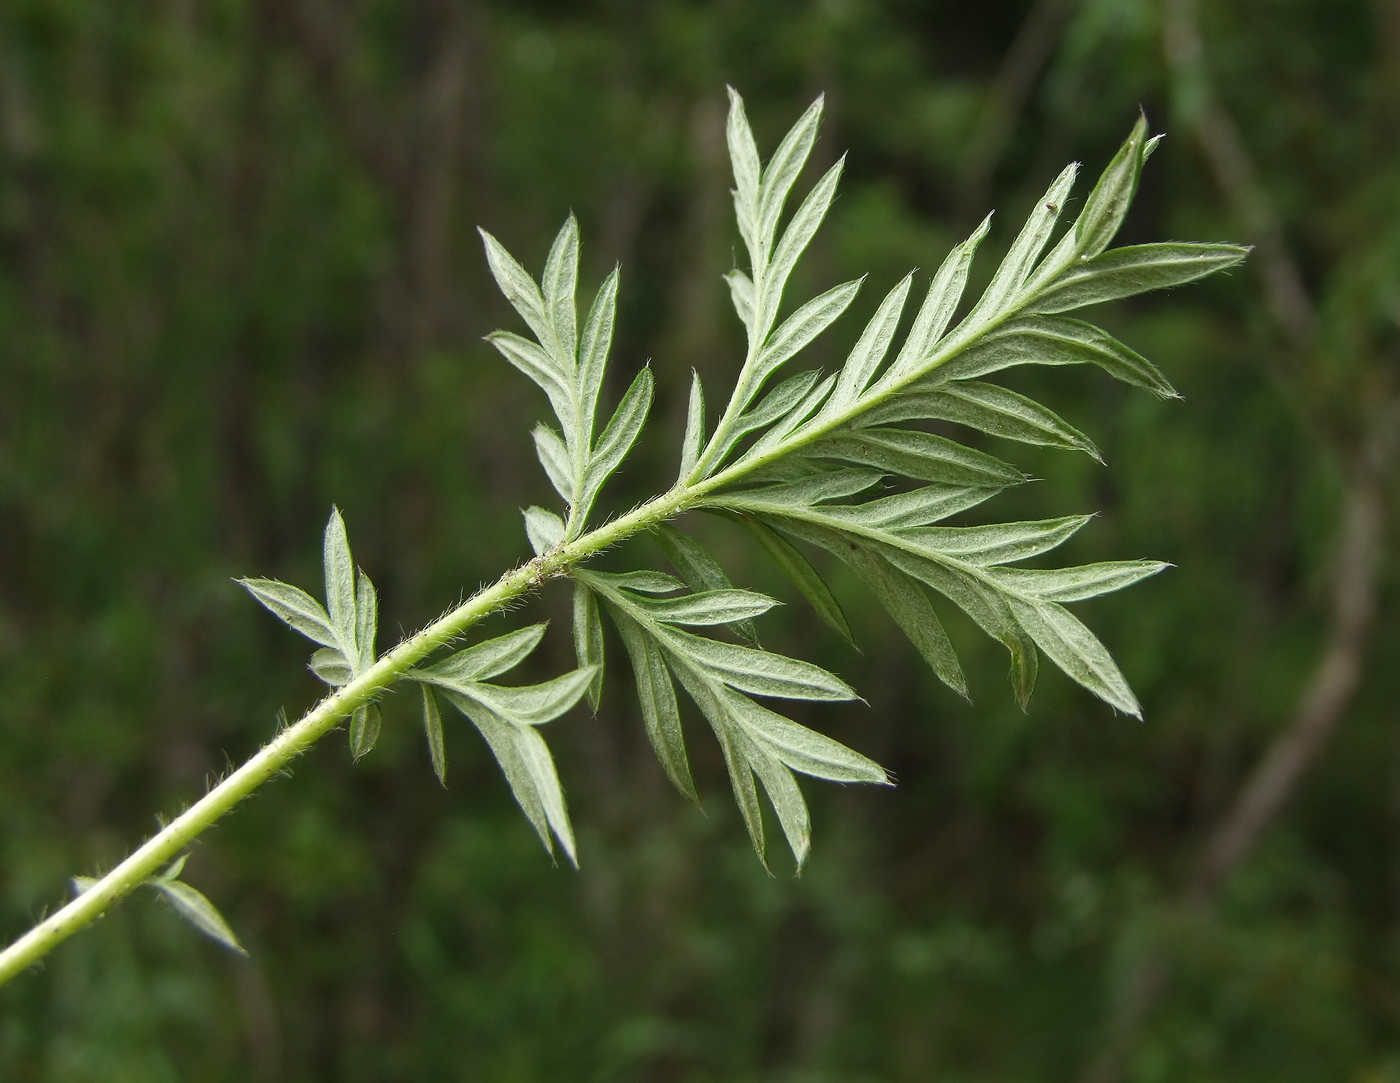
{"x":412,"y":146}
{"x":322,"y":36}
{"x":1219,"y":137}
{"x":1010,"y":91}
{"x":1356,"y":560}
{"x":1333,"y":684}
{"x":1324,"y":702}
{"x":436,"y":148}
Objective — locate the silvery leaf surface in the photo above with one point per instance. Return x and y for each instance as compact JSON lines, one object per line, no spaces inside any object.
{"x":769,"y":286}
{"x":741,"y":294}
{"x":783,"y":794}
{"x":484,"y":660}
{"x":560,"y":284}
{"x":535,"y":362}
{"x":294,"y":606}
{"x":594,"y":349}
{"x":782,"y":169}
{"x":793,"y":421}
{"x":800,"y":748}
{"x":709,"y":607}
{"x":517,"y":285}
{"x":1076,"y":650}
{"x":694,"y":440}
{"x":1051,"y":340}
{"x":869,"y":350}
{"x":1126,"y":272}
{"x":699,"y":568}
{"x":340,"y":585}
{"x":366,"y":620}
{"x":1108,"y":203}
{"x":774,"y":405}
{"x":1011,"y":275}
{"x":330,"y":665}
{"x":941,"y":302}
{"x":619,"y":436}
{"x":1077,"y":584}
{"x":554,"y":457}
{"x":529,"y":769}
{"x":544,"y":529}
{"x":918,"y":507}
{"x":761,"y":673}
{"x":800,"y":329}
{"x":533,"y":704}
{"x":812,"y":489}
{"x":743,"y":155}
{"x":915,"y":454}
{"x":962,"y":564}
{"x":988,"y":408}
{"x":645,"y":582}
{"x":996,"y":543}
{"x":904,"y":599}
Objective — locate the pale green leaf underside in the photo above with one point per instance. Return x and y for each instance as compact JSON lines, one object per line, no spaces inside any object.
{"x":820,"y":458}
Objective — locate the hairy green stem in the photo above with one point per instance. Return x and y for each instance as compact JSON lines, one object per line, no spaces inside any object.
{"x":273,"y":757}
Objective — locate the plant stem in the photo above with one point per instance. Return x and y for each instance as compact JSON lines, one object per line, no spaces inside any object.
{"x":273,"y":757}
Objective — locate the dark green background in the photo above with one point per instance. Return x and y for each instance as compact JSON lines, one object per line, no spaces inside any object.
{"x":239,"y":282}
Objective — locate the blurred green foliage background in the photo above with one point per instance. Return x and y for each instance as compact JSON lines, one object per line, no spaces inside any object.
{"x":239,"y":281}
